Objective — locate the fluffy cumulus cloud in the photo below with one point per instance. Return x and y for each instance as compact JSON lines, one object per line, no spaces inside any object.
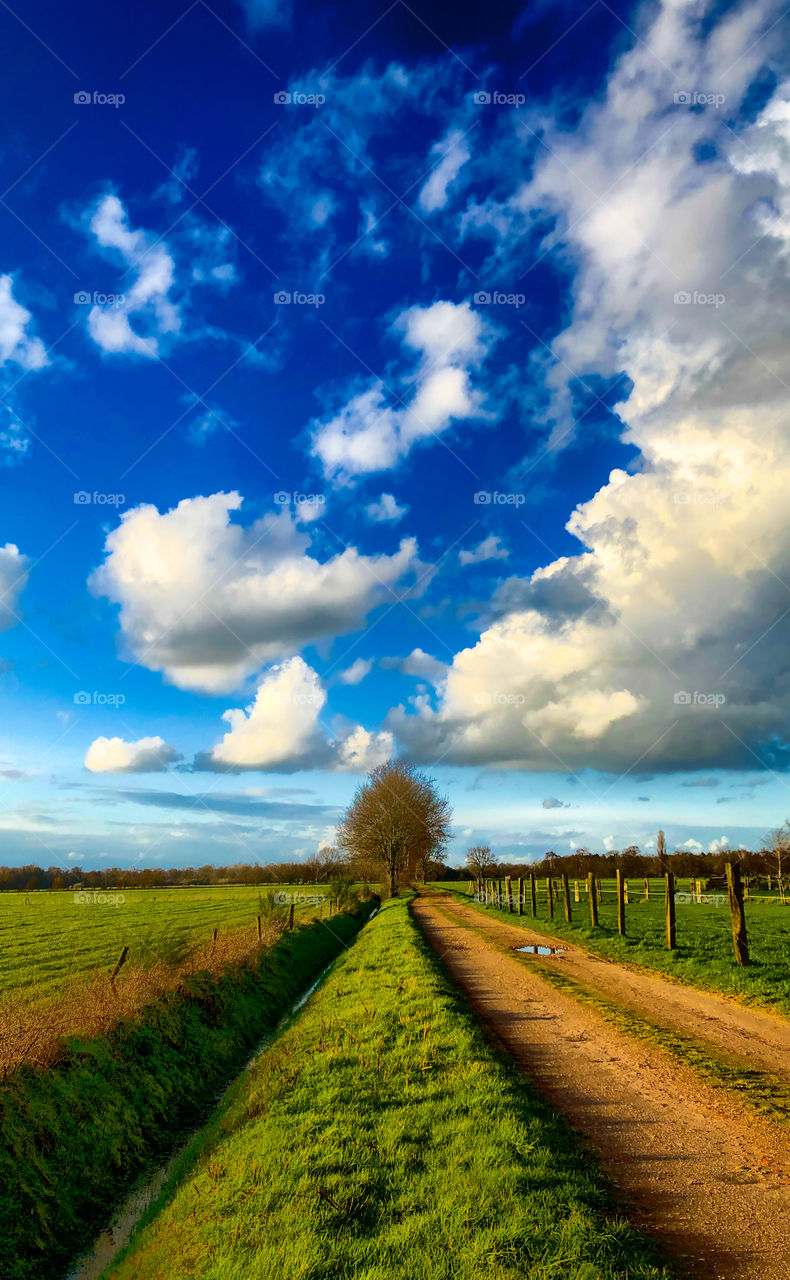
{"x":447,"y":343}
{"x":207,"y":601}
{"x":13,"y":578}
{"x":281,"y":730}
{"x":114,"y":755}
{"x":664,"y":640}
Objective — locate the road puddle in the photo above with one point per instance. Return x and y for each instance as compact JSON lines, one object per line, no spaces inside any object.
{"x":533,"y":950}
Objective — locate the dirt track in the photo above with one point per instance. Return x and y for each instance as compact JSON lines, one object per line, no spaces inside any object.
{"x":713,"y":1184}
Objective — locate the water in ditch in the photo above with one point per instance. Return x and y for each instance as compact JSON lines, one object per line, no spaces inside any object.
{"x":109,"y":1243}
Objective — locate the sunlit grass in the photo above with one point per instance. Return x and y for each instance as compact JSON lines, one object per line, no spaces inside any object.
{"x":382,"y":1137}
{"x":704,"y":954}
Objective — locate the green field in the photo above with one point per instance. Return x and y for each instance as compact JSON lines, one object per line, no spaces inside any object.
{"x":381,"y":1135}
{"x":49,"y":937}
{"x":704,"y":954}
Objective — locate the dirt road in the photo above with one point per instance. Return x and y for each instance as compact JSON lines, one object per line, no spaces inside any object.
{"x":712,"y":1183}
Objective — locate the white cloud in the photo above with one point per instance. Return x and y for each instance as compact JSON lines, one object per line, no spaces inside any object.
{"x":370,"y":434}
{"x":693,"y":845}
{"x":452,"y":153}
{"x":13,"y":579}
{"x":385,"y":510}
{"x":678,"y":586}
{"x":147,"y":299}
{"x":356,"y":672}
{"x":16,"y":343}
{"x":418,"y":663}
{"x":363,"y":750}
{"x":114,"y":755}
{"x":281,"y":730}
{"x":719,"y":845}
{"x":490,"y":548}
{"x":209,"y":602}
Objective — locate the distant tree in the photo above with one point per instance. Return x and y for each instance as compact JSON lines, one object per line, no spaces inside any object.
{"x":778,"y":843}
{"x":479,"y":861}
{"x":397,"y":821}
{"x":661,"y":851}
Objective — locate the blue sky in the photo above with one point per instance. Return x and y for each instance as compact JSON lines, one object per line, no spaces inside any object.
{"x":392,"y":380}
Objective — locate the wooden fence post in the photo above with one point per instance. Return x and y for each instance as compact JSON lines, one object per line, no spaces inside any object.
{"x":739,"y":938}
{"x":509,"y":893}
{"x":593,"y":899}
{"x":549,"y":899}
{"x":600,"y":890}
{"x":576,"y":891}
{"x":121,"y":962}
{"x":625,"y":891}
{"x":291,"y":917}
{"x":520,"y":896}
{"x":533,"y":894}
{"x":669,"y":891}
{"x":214,"y":938}
{"x":566,"y":890}
{"x":259,"y":927}
{"x":620,"y":903}
{"x":647,"y":890}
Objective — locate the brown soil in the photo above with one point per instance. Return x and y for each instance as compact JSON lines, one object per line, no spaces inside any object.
{"x":711,"y":1182}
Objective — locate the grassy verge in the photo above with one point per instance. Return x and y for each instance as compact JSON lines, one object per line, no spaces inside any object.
{"x":75,"y":1137}
{"x":766,"y":1093}
{"x":704,"y":955}
{"x":382,"y":1137}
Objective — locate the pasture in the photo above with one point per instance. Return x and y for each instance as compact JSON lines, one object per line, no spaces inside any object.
{"x":50,"y":937}
{"x":703,"y":956}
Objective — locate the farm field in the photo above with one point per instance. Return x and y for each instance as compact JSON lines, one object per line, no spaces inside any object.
{"x":381,"y":1135}
{"x":48,"y":938}
{"x":704,"y":953}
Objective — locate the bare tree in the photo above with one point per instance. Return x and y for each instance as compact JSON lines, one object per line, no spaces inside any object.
{"x":778,"y":842}
{"x":397,"y":821}
{"x":479,"y":861}
{"x":661,"y":851}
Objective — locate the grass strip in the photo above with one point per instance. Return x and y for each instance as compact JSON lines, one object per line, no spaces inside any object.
{"x":382,"y":1137}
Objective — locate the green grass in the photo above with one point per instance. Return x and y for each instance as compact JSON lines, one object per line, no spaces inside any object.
{"x":381,"y":1137}
{"x":704,"y":954}
{"x":48,"y":937}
